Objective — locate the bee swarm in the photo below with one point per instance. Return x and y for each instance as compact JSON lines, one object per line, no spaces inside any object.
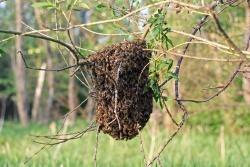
{"x":119,"y":75}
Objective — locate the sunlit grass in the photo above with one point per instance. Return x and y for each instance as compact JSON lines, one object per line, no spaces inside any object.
{"x":190,"y":148}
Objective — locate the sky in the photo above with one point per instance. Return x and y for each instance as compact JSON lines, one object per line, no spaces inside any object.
{"x":2,"y":4}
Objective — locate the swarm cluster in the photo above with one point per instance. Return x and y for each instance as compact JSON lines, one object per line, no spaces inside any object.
{"x":120,"y":75}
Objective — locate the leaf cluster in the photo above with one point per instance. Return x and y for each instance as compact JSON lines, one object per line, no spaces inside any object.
{"x":161,"y":67}
{"x":160,"y":29}
{"x":62,"y":5}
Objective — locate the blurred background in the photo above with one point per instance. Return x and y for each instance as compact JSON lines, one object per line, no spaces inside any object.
{"x":35,"y":102}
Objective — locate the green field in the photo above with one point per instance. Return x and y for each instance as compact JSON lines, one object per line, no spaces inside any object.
{"x":191,"y":148}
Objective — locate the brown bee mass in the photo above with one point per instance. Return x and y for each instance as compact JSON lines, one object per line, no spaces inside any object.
{"x":119,"y":75}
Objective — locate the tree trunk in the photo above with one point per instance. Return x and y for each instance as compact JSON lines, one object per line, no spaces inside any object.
{"x":38,"y":93}
{"x":20,"y":70}
{"x":51,"y":85}
{"x":50,"y":75}
{"x":72,"y":95}
{"x":90,"y":106}
{"x":246,"y":76}
{"x":3,"y":102}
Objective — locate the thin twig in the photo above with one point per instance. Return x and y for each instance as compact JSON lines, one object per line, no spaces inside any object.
{"x":193,"y":57}
{"x":74,"y":72}
{"x":217,"y":93}
{"x":169,"y":140}
{"x":63,"y":140}
{"x":68,"y":113}
{"x":190,"y":6}
{"x":42,"y":37}
{"x":116,"y":97}
{"x":226,"y":37}
{"x":74,"y":46}
{"x":179,"y":62}
{"x":106,"y":34}
{"x":142,"y":147}
{"x":206,"y":41}
{"x":96,"y":147}
{"x":169,"y":113}
{"x":87,"y":82}
{"x":159,"y":162}
{"x":236,"y":49}
{"x":191,"y":37}
{"x":44,"y":69}
{"x":49,"y":144}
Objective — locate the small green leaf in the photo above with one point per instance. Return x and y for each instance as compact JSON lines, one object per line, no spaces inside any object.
{"x":159,"y":11}
{"x":46,"y":5}
{"x":101,"y":5}
{"x":173,"y":75}
{"x":2,"y":52}
{"x":169,"y":41}
{"x":161,"y":104}
{"x":69,"y":6}
{"x":156,"y":15}
{"x":152,"y":20}
{"x":82,"y":6}
{"x":171,"y":62}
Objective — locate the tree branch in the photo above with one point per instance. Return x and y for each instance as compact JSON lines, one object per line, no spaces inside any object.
{"x":236,"y":49}
{"x":72,"y":50}
{"x":196,"y":29}
{"x":82,"y":62}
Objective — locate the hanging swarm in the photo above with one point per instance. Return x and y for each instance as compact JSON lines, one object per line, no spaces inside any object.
{"x":119,"y":75}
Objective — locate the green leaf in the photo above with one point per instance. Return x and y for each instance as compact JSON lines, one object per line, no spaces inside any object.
{"x":169,"y":41}
{"x":81,"y":6}
{"x":152,"y":20}
{"x":161,"y":104}
{"x":46,"y":5}
{"x":173,"y":75}
{"x":170,"y":64}
{"x":2,"y":52}
{"x":69,"y":6}
{"x":100,"y":6}
{"x":156,"y":15}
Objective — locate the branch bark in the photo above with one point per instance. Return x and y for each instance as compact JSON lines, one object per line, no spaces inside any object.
{"x":233,"y":76}
{"x":19,"y":33}
{"x":180,"y":60}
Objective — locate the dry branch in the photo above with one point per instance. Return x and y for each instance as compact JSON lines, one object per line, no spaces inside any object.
{"x":236,"y":49}
{"x":42,"y":37}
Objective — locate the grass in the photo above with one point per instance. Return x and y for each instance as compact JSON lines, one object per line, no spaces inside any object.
{"x":191,"y":148}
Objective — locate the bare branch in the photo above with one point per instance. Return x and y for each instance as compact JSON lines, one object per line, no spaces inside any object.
{"x":219,"y":92}
{"x":83,"y":62}
{"x":186,"y":5}
{"x":42,"y":37}
{"x":142,"y":147}
{"x":169,"y":114}
{"x":63,"y":140}
{"x":96,"y":146}
{"x":73,"y":44}
{"x":196,"y":29}
{"x":236,"y":49}
{"x":184,"y":118}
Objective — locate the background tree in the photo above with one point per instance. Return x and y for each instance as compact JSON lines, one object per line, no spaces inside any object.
{"x":246,"y":76}
{"x":195,"y":47}
{"x":19,"y":70}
